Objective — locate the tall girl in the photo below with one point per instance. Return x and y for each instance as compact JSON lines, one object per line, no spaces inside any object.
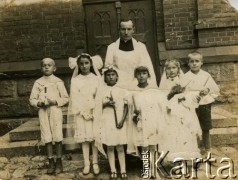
{"x":83,"y":90}
{"x":147,"y":115}
{"x":113,"y":108}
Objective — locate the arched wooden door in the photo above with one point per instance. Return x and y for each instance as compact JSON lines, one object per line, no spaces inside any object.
{"x":102,"y":23}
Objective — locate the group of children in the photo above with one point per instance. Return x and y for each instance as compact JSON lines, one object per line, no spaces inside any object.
{"x":169,"y":118}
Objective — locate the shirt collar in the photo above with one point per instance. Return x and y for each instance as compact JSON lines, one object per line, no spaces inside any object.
{"x":126,"y":45}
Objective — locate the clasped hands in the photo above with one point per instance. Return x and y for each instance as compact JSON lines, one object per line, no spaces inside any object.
{"x":47,"y":103}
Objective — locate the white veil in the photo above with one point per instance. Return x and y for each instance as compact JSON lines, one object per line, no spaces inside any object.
{"x":163,"y":81}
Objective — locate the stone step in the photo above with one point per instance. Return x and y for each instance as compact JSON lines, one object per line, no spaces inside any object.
{"x":222,"y":118}
{"x":225,"y":127}
{"x":29,"y":147}
{"x":29,"y":131}
{"x":224,"y":136}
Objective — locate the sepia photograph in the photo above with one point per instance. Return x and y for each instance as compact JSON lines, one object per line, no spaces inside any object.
{"x":118,"y":89}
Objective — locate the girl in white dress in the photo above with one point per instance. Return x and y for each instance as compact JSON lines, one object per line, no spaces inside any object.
{"x":184,"y":128}
{"x":112,"y":110}
{"x":83,"y":90}
{"x":147,"y":115}
{"x":180,"y":128}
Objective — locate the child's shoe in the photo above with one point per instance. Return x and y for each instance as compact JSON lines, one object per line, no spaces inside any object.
{"x":124,"y":175}
{"x":113,"y":176}
{"x":51,"y":168}
{"x":96,"y":169}
{"x":59,"y":166}
{"x":86,"y":170}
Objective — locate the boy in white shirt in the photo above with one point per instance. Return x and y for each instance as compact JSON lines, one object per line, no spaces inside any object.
{"x":201,"y":81}
{"x":49,"y":95}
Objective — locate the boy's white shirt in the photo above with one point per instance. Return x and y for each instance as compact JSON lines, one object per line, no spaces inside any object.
{"x":200,"y":81}
{"x":53,"y":85}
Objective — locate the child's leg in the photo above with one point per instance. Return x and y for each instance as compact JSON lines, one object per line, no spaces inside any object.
{"x":58,"y":147}
{"x":85,"y":147}
{"x":204,"y":116}
{"x":49,"y":149}
{"x":59,"y":166}
{"x":206,"y":139}
{"x":121,"y":157}
{"x":111,"y":158}
{"x":96,"y":169}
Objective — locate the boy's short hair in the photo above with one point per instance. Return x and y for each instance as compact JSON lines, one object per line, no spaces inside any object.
{"x":48,"y":59}
{"x":195,"y":55}
{"x":141,"y":69}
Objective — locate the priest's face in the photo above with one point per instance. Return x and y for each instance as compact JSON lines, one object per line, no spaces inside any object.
{"x":126,"y":30}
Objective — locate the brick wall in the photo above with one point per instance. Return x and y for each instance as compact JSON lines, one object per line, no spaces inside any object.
{"x":179,"y":18}
{"x":32,"y":31}
{"x":217,"y":23}
{"x":218,"y":37}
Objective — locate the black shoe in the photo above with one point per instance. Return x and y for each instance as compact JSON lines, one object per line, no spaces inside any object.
{"x":59,"y":166}
{"x":51,"y":168}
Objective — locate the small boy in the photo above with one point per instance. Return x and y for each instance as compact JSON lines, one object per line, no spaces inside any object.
{"x":49,"y":95}
{"x":199,"y":80}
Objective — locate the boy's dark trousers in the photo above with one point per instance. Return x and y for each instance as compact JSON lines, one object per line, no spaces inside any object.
{"x":205,"y":120}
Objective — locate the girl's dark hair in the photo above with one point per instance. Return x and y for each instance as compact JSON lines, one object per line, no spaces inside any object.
{"x":84,"y":55}
{"x":141,"y":69}
{"x":177,"y":89}
{"x":108,"y":71}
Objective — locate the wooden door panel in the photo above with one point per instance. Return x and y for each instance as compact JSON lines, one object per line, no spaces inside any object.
{"x":101,"y":27}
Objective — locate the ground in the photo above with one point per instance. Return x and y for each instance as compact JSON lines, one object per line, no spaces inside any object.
{"x":29,"y":167}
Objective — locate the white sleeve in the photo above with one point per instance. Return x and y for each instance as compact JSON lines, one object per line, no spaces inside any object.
{"x":64,"y":98}
{"x":34,"y":97}
{"x":109,"y":55}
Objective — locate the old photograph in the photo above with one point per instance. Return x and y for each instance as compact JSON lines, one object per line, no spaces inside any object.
{"x":118,"y":89}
